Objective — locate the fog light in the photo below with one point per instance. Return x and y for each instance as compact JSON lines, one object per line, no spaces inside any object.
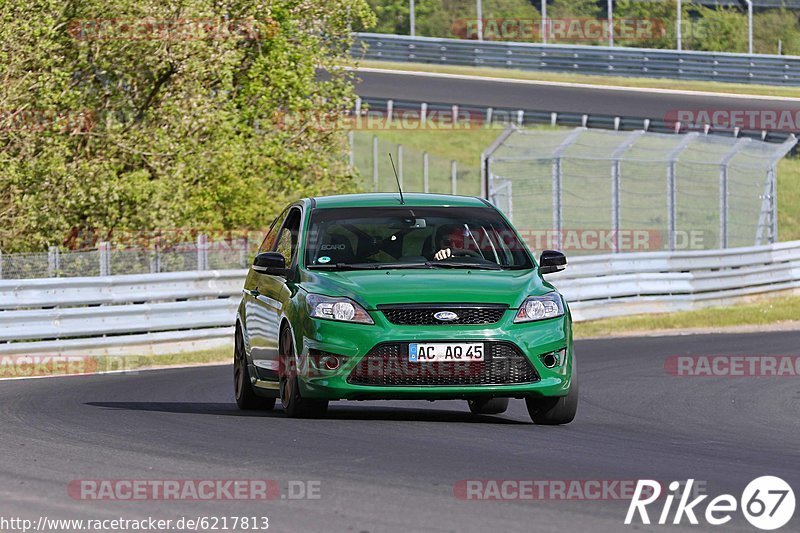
{"x":331,"y":362}
{"x":553,"y":359}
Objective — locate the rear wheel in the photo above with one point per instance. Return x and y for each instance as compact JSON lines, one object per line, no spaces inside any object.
{"x":246,"y":397}
{"x":488,"y":406}
{"x":555,"y":411}
{"x":294,"y":404}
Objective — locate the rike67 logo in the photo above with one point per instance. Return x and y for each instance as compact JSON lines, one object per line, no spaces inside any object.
{"x":767,"y":503}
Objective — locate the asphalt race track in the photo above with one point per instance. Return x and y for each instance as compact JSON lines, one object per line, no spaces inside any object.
{"x":559,"y":98}
{"x":392,"y":466}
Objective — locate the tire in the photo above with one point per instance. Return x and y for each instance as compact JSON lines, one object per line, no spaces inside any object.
{"x":246,"y":398}
{"x":555,"y":411}
{"x":488,"y":406}
{"x":294,"y":404}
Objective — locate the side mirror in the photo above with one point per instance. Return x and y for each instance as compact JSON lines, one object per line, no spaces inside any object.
{"x":271,"y":263}
{"x":552,"y":261}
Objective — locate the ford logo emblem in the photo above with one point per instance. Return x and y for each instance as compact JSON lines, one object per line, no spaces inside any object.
{"x":445,"y":316}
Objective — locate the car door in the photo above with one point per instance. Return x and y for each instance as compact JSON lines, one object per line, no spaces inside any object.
{"x":268,"y":294}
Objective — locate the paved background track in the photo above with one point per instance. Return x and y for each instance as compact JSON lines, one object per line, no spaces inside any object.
{"x":559,"y":98}
{"x":391,"y":466}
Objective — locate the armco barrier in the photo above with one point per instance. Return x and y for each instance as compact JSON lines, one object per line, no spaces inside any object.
{"x":159,"y":313}
{"x":616,"y":61}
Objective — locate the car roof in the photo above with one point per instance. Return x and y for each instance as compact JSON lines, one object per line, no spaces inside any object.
{"x":393,"y":200}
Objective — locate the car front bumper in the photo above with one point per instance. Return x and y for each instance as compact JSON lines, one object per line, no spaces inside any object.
{"x":352,"y":342}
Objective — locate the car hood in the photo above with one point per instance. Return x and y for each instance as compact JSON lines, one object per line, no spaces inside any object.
{"x":372,"y":288}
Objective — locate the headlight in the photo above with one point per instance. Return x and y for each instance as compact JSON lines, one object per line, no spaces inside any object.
{"x":540,"y":308}
{"x":341,"y":309}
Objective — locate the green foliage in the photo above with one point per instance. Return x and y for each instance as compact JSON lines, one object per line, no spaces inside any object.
{"x":168,"y":132}
{"x":704,"y":28}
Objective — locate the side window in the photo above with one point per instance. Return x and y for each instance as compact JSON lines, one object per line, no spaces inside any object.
{"x":287,"y":238}
{"x":272,"y":235}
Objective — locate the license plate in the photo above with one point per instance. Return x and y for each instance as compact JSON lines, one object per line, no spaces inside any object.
{"x":434,"y":352}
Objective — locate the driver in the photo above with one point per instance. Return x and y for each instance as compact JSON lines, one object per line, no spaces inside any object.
{"x":450,"y":242}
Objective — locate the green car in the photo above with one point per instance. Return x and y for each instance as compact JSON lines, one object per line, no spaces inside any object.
{"x":374,"y":296}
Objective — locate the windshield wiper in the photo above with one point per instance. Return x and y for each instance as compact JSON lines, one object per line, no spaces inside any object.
{"x":369,"y":266}
{"x":451,"y":264}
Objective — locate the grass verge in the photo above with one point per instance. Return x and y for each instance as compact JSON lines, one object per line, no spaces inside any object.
{"x":583,"y":79}
{"x":758,"y":313}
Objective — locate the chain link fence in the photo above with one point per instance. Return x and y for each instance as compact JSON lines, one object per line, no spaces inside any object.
{"x":107,"y":259}
{"x":595,"y":191}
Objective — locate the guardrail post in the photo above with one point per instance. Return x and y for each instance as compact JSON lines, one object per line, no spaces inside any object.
{"x":104,"y":253}
{"x":202,"y":252}
{"x":375,"y":163}
{"x":454,"y":175}
{"x":425,"y":172}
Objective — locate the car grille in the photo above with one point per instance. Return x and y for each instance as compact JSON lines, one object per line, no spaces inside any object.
{"x":388,"y":365}
{"x":415,"y":315}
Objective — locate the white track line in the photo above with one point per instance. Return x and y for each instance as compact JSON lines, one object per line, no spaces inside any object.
{"x":574,"y":85}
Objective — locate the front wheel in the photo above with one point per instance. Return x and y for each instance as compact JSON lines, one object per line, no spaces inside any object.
{"x":294,"y":404}
{"x":488,"y":406}
{"x":555,"y":411}
{"x":246,"y":398}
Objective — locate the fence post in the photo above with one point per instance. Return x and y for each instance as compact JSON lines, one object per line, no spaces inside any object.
{"x":557,"y":175}
{"x":454,"y":175}
{"x":423,"y":113}
{"x":375,"y":163}
{"x":352,"y":141}
{"x":104,"y":251}
{"x":425,"y":183}
{"x":723,"y":205}
{"x":672,"y":208}
{"x":53,"y":262}
{"x":400,"y":164}
{"x":616,"y":179}
{"x":202,"y":252}
{"x":1,"y":264}
{"x":773,"y":235}
{"x":389,"y":112}
{"x":723,"y":190}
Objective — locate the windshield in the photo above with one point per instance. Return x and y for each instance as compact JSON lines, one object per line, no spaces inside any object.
{"x":413,"y":237}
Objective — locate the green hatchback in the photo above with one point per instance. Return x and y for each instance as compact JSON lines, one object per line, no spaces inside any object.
{"x":434,"y":297}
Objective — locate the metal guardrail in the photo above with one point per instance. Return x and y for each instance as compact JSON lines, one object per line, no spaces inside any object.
{"x":90,"y":316}
{"x":616,"y":61}
{"x":119,"y":314}
{"x":662,"y":282}
{"x":539,"y":117}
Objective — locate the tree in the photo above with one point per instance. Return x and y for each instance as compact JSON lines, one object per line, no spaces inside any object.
{"x":129,"y":115}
